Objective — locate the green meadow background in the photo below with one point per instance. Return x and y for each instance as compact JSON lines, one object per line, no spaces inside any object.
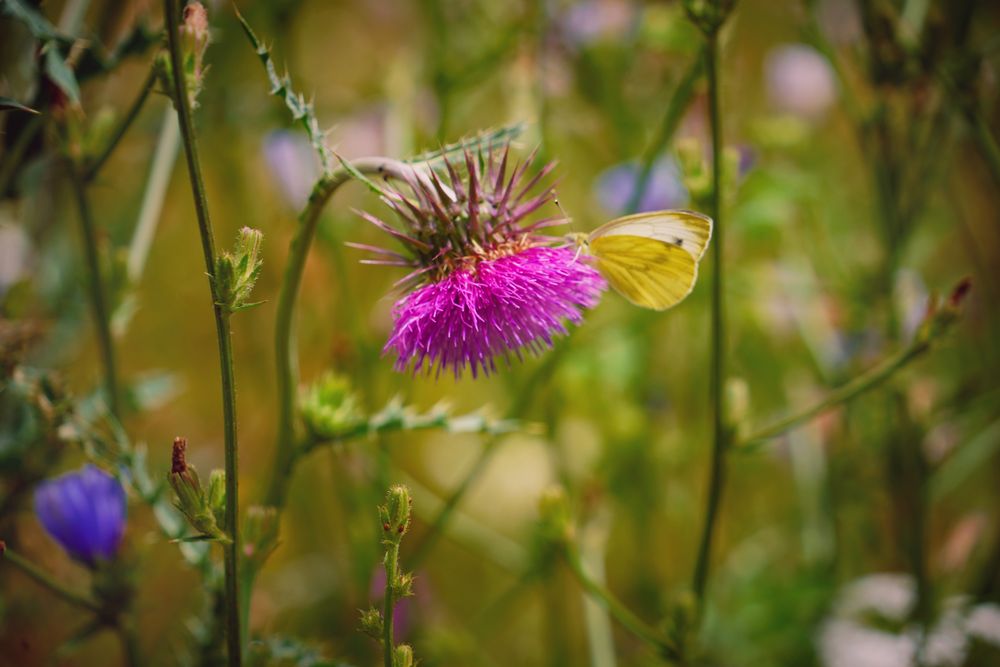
{"x":618,"y":412}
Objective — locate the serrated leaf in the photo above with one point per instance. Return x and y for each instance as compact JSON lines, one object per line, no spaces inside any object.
{"x":59,"y":72}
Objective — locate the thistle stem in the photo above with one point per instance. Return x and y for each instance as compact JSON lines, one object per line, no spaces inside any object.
{"x":618,"y":611}
{"x":40,"y":576}
{"x":719,"y":434}
{"x":284,"y":338}
{"x":223,"y":333}
{"x":102,"y":317}
{"x":94,"y":165}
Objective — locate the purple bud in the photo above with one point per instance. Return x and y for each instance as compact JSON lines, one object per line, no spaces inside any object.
{"x":84,"y":511}
{"x":799,"y":80}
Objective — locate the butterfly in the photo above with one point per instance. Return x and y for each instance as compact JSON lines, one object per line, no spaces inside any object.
{"x":651,"y":259}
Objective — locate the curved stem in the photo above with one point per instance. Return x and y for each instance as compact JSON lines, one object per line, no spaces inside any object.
{"x":855,"y":387}
{"x":284,"y":339}
{"x":720,"y":435}
{"x":222,"y":328}
{"x":95,"y":164}
{"x":618,"y":611}
{"x":43,"y":578}
{"x":679,"y":103}
{"x":102,"y":317}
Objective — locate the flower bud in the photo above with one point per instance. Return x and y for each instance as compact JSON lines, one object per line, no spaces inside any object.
{"x":237,"y":272}
{"x":556,"y":516}
{"x":194,"y":38}
{"x":192,"y":500}
{"x":371,"y":623}
{"x":941,"y":317}
{"x":216,"y":495}
{"x":330,"y":408}
{"x":395,"y":514}
{"x":403,"y":656}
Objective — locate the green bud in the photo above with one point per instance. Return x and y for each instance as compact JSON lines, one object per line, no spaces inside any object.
{"x":371,"y":623}
{"x":941,"y":317}
{"x":330,"y":408}
{"x":236,"y":272}
{"x":395,"y":514}
{"x":555,"y":515}
{"x":403,"y":588}
{"x":216,"y":495}
{"x":192,"y":500}
{"x":402,"y":656}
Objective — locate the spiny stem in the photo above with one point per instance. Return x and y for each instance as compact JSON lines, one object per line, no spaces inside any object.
{"x":284,"y":340}
{"x":618,"y":611}
{"x":102,"y":318}
{"x":95,"y":164}
{"x":719,"y":434}
{"x":222,"y":328}
{"x":43,"y":578}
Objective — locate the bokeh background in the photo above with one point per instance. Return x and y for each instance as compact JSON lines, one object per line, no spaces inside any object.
{"x":814,"y":554}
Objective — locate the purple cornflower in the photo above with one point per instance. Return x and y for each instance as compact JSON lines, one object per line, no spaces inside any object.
{"x":484,"y":283}
{"x":84,"y":511}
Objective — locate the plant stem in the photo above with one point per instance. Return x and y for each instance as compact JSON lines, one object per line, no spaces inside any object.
{"x":222,"y":328}
{"x":678,"y":104}
{"x":719,"y":432}
{"x":284,"y":340}
{"x":43,"y":578}
{"x":94,"y":165}
{"x":391,"y":566}
{"x":436,"y":529}
{"x":102,"y":318}
{"x":620,"y":612}
{"x":846,"y":392}
{"x":130,"y":647}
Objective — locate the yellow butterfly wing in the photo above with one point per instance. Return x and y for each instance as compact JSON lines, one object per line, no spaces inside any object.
{"x":647,"y":271}
{"x":685,"y":229}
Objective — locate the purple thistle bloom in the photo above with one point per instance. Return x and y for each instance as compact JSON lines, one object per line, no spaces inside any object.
{"x":485,"y":284}
{"x":84,"y":511}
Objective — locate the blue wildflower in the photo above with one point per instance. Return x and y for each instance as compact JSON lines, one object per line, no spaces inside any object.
{"x":84,"y":511}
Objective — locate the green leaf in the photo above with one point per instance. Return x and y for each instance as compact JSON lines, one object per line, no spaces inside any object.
{"x":7,"y":104}
{"x":38,"y":25}
{"x":60,"y":73}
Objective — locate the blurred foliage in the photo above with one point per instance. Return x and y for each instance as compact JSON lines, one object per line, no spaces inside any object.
{"x":861,"y":179}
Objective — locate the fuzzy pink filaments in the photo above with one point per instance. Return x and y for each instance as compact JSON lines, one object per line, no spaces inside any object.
{"x":484,"y":283}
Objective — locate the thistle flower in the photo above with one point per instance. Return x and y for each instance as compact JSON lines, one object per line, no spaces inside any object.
{"x":484,"y":283}
{"x":84,"y":511}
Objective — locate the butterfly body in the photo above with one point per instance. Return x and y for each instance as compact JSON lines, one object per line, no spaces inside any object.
{"x":651,"y":259}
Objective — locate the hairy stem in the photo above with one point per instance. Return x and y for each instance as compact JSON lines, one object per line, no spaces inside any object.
{"x":98,"y":303}
{"x":391,"y":568}
{"x":222,"y":328}
{"x":719,"y":431}
{"x":284,"y":339}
